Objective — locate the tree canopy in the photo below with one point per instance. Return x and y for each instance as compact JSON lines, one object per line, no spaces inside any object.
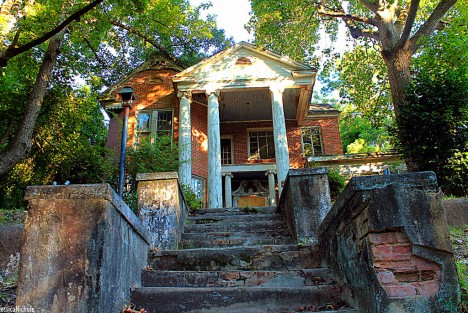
{"x":397,"y":28}
{"x":50,"y":43}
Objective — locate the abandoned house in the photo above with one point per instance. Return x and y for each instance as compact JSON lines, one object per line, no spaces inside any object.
{"x":242,"y":118}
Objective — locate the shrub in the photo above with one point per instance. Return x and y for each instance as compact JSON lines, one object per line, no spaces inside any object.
{"x":336,"y":181}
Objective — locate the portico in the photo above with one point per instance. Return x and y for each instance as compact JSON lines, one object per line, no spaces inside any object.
{"x":249,"y":95}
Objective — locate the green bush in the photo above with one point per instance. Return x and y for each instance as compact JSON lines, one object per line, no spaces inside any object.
{"x":432,"y":129}
{"x":336,"y":181}
{"x":191,"y":198}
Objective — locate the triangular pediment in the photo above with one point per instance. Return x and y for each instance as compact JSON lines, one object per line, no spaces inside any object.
{"x":245,"y":65}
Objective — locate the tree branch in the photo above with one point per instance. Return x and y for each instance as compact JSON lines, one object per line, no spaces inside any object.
{"x":14,"y":51}
{"x":413,"y":10}
{"x":153,"y":42}
{"x":94,"y":51}
{"x":357,"y":32}
{"x":431,"y":23}
{"x":324,"y":11}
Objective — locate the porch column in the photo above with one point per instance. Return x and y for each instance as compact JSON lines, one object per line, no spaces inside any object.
{"x":228,"y":190}
{"x":215,"y":192}
{"x":271,"y":187}
{"x":185,"y":139}
{"x":279,"y":131}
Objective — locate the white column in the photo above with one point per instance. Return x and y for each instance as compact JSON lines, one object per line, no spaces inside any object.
{"x":228,"y":190}
{"x":215,"y":192}
{"x":271,"y":187}
{"x":185,"y":139}
{"x":279,"y":131}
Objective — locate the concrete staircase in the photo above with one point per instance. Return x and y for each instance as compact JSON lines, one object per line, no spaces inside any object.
{"x":237,"y":260}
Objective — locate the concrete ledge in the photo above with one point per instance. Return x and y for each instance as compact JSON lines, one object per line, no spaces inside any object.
{"x":89,"y":191}
{"x":304,"y":202}
{"x":157,"y":176}
{"x":83,"y":249}
{"x":162,"y":208}
{"x":387,"y":241}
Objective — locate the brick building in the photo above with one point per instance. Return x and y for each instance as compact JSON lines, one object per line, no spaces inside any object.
{"x":241,"y":118}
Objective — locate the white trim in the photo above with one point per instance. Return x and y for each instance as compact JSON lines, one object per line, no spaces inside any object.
{"x":237,"y":168}
{"x":248,"y":140}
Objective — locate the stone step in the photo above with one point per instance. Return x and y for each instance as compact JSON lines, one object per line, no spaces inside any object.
{"x":268,"y":233}
{"x":253,"y":210}
{"x":235,"y":226}
{"x":235,"y":299}
{"x":187,"y":243}
{"x":266,"y":258}
{"x":232,"y":218}
{"x":310,"y":277}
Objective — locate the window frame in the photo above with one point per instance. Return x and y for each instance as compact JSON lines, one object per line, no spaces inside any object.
{"x":231,"y":138}
{"x":312,"y":141}
{"x":265,"y":129}
{"x":153,"y":125}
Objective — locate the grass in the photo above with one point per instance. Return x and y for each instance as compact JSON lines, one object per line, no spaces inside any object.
{"x":14,"y":216}
{"x":459,"y":237}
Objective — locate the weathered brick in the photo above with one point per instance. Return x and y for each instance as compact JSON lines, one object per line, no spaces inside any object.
{"x":386,"y":277}
{"x":400,"y":291}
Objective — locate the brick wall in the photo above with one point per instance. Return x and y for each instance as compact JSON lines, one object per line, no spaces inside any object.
{"x":198,"y":115}
{"x":239,"y":133}
{"x":399,"y":271}
{"x":148,"y":95}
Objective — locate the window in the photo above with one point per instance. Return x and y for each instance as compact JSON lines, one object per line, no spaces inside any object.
{"x":226,"y":151}
{"x":243,"y":61}
{"x":151,"y":124}
{"x":312,"y":141}
{"x":261,"y":145}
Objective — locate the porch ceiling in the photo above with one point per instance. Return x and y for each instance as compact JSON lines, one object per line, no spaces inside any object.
{"x":252,"y":104}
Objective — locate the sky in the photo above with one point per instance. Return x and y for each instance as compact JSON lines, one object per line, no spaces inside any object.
{"x":232,"y":15}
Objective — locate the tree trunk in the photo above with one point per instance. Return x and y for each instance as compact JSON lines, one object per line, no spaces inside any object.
{"x":399,"y":75}
{"x":398,"y":67}
{"x":20,"y":147}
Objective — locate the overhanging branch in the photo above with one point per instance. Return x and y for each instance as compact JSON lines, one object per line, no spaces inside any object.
{"x":13,"y":51}
{"x":153,"y":42}
{"x":431,"y":23}
{"x":324,"y":11}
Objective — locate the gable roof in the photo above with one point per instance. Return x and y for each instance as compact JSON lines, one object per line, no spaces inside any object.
{"x":157,"y":62}
{"x":231,"y":65}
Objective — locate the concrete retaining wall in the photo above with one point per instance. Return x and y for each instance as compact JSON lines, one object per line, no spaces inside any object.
{"x":83,"y":250}
{"x":304,"y":202}
{"x":162,"y":208}
{"x":387,"y":241}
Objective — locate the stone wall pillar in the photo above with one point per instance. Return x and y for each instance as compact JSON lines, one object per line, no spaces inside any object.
{"x":185,"y":139}
{"x":271,"y":187}
{"x":387,"y":241}
{"x":305,"y":202}
{"x":215,"y":191}
{"x":279,"y":131}
{"x":228,"y":190}
{"x":83,"y":250}
{"x":161,"y":208}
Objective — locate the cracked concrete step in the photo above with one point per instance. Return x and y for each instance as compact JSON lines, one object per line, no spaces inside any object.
{"x":232,"y":218}
{"x":188,"y":243}
{"x":269,"y":233}
{"x":311,"y":277}
{"x":234,"y":299}
{"x":267,"y":257}
{"x":264,"y":209}
{"x":239,"y":226}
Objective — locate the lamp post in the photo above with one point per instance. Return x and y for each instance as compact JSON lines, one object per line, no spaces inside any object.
{"x":127,"y":101}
